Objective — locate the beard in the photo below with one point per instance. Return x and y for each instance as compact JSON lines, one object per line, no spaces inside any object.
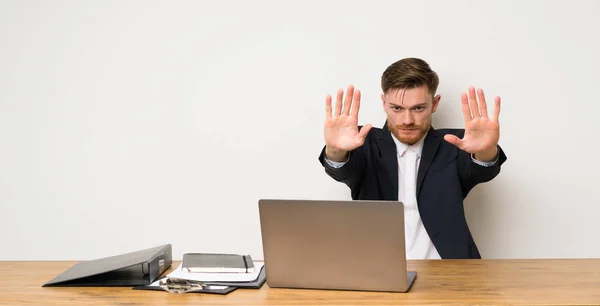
{"x":416,"y":133}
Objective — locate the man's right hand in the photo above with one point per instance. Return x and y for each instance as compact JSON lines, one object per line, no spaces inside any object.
{"x":341,"y":128}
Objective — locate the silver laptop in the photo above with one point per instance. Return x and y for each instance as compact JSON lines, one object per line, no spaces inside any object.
{"x":340,"y":245}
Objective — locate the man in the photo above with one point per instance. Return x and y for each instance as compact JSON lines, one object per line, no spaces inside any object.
{"x":431,"y":171}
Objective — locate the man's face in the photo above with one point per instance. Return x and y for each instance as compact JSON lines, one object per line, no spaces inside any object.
{"x":409,"y":112}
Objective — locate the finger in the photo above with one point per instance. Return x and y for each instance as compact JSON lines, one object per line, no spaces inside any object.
{"x":465,"y":108}
{"x":455,"y":141}
{"x":497,"y":108}
{"x":362,"y":134}
{"x":328,"y":107}
{"x":482,"y":103}
{"x":338,"y":102}
{"x":348,"y":99}
{"x":473,"y":102}
{"x":356,"y":103}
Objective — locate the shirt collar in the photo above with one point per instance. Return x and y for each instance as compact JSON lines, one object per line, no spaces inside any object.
{"x":417,"y":147}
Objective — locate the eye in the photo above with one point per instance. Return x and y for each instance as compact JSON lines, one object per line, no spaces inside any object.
{"x":396,"y":108}
{"x":419,"y":108}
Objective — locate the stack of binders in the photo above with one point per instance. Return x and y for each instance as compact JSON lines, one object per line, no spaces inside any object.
{"x":143,"y":270}
{"x":211,"y":273}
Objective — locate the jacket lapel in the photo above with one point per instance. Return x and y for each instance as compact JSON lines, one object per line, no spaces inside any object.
{"x":430,"y":146}
{"x":389,"y":159}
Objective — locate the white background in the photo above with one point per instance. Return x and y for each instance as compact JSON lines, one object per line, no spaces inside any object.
{"x":129,"y":124}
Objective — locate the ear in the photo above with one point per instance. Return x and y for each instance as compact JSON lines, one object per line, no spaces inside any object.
{"x":436,"y":101}
{"x":383,"y":100}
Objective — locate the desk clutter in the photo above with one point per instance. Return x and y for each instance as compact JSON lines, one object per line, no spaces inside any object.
{"x":143,"y":270}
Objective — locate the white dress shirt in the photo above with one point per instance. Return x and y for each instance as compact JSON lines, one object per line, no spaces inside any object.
{"x":418,"y":243}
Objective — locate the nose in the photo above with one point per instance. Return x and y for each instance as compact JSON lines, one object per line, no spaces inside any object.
{"x":408,"y":118}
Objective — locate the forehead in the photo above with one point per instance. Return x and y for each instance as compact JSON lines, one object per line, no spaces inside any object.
{"x":408,"y":96}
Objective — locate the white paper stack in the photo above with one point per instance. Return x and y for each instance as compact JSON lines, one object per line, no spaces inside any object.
{"x":217,"y":277}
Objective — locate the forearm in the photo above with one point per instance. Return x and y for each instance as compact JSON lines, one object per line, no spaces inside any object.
{"x":350,"y":171}
{"x":472,"y":173}
{"x":336,"y":155}
{"x":487,"y":155}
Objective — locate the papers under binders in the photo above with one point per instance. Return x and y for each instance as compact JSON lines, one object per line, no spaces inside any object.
{"x":181,"y":281}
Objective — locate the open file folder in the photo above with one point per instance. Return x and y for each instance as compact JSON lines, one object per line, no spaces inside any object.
{"x":130,"y":269}
{"x":218,"y":283}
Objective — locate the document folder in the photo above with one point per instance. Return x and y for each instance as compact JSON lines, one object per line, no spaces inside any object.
{"x":216,"y":287}
{"x":130,"y":269}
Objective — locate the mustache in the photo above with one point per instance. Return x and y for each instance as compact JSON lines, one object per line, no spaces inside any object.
{"x":407,"y":127}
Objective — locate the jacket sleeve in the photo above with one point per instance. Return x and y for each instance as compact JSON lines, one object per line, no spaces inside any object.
{"x":472,"y":173}
{"x":351,"y":172}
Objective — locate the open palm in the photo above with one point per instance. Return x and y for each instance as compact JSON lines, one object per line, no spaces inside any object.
{"x":341,"y":127}
{"x":482,"y":132}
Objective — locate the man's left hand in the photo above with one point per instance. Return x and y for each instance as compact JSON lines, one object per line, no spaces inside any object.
{"x":481,"y":131}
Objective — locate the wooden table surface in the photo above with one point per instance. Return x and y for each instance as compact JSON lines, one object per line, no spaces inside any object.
{"x":464,"y":282}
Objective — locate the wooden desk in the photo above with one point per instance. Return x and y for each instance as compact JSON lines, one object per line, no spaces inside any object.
{"x":559,"y":281}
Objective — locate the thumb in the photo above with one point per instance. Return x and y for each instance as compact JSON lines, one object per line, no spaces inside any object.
{"x":362,"y":134}
{"x":454,"y":140}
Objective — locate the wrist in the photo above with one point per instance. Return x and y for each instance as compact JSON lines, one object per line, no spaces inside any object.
{"x":336,"y":155}
{"x":487,"y":155}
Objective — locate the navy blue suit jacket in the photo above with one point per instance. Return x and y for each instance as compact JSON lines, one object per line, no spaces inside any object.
{"x":446,"y":175}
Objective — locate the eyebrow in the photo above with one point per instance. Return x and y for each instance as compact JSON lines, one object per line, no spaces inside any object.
{"x":418,"y":105}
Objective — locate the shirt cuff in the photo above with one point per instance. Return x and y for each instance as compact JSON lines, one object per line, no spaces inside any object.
{"x":485,"y":164}
{"x":335,"y":164}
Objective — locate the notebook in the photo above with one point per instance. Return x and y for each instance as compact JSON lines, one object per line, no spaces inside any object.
{"x":217,"y":263}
